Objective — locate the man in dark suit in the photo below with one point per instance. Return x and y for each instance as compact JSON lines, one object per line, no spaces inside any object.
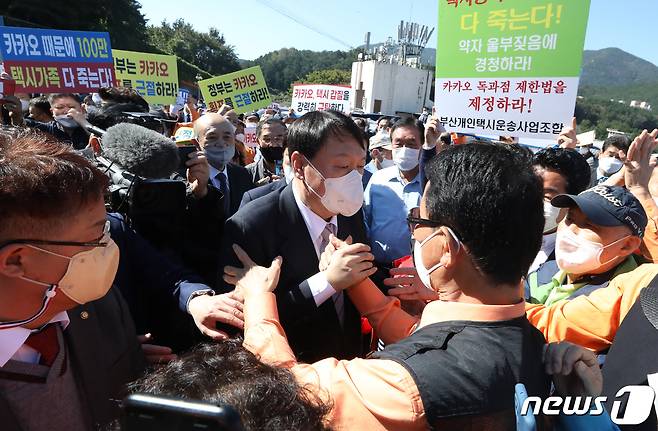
{"x":324,"y":198}
{"x":262,"y":191}
{"x":216,"y":137}
{"x":67,"y":341}
{"x":271,"y":135}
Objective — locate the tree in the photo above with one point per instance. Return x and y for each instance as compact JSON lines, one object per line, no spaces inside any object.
{"x":328,"y":76}
{"x":285,"y":66}
{"x":121,"y":18}
{"x":208,"y":51}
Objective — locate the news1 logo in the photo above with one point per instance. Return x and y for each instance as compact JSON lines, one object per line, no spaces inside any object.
{"x":638,"y":408}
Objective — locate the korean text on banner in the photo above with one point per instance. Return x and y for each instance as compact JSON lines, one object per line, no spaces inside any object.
{"x":509,"y":67}
{"x":250,"y":137}
{"x":315,"y":97}
{"x":56,"y":61}
{"x":153,"y":76}
{"x":244,"y":90}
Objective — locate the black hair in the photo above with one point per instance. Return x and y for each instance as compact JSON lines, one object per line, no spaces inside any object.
{"x":410,"y":122}
{"x":568,"y":163}
{"x":310,"y":132}
{"x":266,"y":397}
{"x":41,"y":103}
{"x":490,"y":197}
{"x":620,"y":141}
{"x":362,"y":123}
{"x":56,"y":96}
{"x":268,"y":122}
{"x":111,"y":114}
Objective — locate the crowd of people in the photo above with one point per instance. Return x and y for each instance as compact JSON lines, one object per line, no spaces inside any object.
{"x":328,"y":278}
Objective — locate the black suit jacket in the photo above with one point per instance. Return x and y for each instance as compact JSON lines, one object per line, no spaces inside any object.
{"x":262,"y":191}
{"x":239,"y":182}
{"x":273,"y":226}
{"x":105,"y":355}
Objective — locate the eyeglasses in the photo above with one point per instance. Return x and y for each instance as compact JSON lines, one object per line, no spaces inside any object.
{"x":269,"y":139}
{"x":95,"y":243}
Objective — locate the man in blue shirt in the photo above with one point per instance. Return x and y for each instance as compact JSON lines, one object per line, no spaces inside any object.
{"x":392,"y":193}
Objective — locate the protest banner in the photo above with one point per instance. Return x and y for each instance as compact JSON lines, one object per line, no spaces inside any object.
{"x":319,"y":97}
{"x":509,"y":67}
{"x":153,"y":76}
{"x":244,"y":90}
{"x":56,"y":61}
{"x":250,"y":137}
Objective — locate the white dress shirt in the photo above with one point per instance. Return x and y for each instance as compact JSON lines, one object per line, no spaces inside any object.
{"x":12,"y":342}
{"x":215,"y":181}
{"x":321,"y":289}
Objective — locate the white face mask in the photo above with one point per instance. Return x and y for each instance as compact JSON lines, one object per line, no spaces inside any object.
{"x":25,"y":105}
{"x":405,"y":158}
{"x":610,"y":165}
{"x":66,"y":121}
{"x":89,"y":277}
{"x":342,"y":195}
{"x":386,"y":163}
{"x":288,"y":173}
{"x":219,"y":157}
{"x":551,"y":214}
{"x":240,"y":137}
{"x":424,"y":273}
{"x":577,"y":255}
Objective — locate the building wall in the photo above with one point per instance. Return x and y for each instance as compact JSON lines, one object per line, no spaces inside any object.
{"x":400,"y":88}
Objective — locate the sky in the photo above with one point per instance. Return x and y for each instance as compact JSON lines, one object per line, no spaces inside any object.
{"x":256,"y":27}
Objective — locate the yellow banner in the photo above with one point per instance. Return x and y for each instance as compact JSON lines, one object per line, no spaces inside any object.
{"x":244,"y":90}
{"x":153,"y":76}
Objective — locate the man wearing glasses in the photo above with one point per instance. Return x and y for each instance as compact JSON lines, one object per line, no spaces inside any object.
{"x":67,"y":341}
{"x":271,"y":135}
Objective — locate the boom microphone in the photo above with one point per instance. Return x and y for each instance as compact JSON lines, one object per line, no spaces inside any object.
{"x":140,"y":151}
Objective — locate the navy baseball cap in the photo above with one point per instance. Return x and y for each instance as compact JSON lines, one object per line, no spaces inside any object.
{"x":607,"y":206}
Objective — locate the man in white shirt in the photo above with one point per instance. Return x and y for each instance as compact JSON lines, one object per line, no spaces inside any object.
{"x":324,"y":198}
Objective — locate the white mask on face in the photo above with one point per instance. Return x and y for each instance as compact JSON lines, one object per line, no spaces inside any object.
{"x":386,"y":163}
{"x":240,"y":137}
{"x":342,"y":195}
{"x":25,"y":105}
{"x":610,"y":165}
{"x":577,"y":255}
{"x":89,"y":276}
{"x":66,"y":121}
{"x":424,"y":273}
{"x":551,"y":214}
{"x":405,"y":158}
{"x":288,"y":173}
{"x":219,"y":157}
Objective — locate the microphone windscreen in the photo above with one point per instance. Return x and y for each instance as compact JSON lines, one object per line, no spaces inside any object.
{"x":140,"y":151}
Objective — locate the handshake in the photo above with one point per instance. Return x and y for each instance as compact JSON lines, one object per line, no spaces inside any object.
{"x":345,"y":264}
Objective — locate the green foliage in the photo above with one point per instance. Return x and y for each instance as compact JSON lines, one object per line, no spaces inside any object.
{"x":208,"y":51}
{"x":121,"y":18}
{"x":329,"y":76}
{"x":288,"y":65}
{"x":612,"y":67}
{"x":601,"y":114}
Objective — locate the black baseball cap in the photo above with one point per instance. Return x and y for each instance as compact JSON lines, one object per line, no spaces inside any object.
{"x":607,"y":206}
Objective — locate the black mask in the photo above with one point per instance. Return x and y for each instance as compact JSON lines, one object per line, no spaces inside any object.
{"x":272,"y":154}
